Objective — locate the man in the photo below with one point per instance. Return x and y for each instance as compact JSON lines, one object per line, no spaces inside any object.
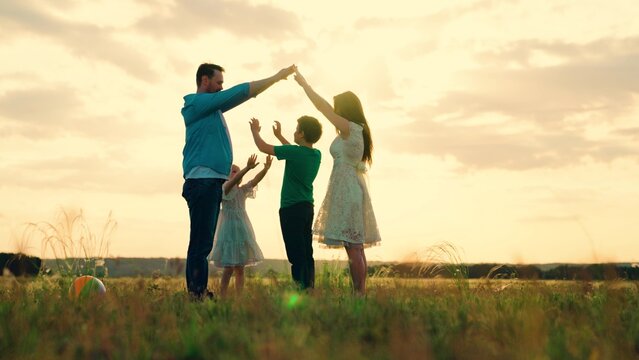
{"x":208,"y":156}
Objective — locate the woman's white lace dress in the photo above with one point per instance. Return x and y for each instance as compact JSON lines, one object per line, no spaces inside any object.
{"x":346,"y":215}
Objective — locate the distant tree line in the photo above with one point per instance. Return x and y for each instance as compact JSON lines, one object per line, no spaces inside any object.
{"x":23,"y":265}
{"x":609,"y":271}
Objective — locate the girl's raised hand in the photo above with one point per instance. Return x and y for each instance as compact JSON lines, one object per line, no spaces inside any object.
{"x":277,"y":129}
{"x":267,"y":163}
{"x":252,"y":161}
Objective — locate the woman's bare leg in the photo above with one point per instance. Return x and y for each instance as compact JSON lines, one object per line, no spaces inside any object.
{"x":226,"y":278}
{"x":357,"y":266}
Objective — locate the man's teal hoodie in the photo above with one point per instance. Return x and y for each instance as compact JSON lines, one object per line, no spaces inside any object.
{"x":207,"y":139}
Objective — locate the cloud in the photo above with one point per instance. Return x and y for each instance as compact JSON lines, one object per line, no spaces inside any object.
{"x":433,"y":21}
{"x":380,"y":90}
{"x":89,"y":173}
{"x":38,"y":113}
{"x":39,"y":106}
{"x":524,"y":52}
{"x":300,"y":55}
{"x":191,"y":19}
{"x":83,"y":39}
{"x":552,"y":218}
{"x":51,"y":112}
{"x":544,"y":112}
{"x":548,"y":95}
{"x":429,"y":26}
{"x":564,"y":196}
{"x":632,"y":133}
{"x":488,"y":147}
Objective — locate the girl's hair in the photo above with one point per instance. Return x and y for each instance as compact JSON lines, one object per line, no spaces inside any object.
{"x":348,"y":106}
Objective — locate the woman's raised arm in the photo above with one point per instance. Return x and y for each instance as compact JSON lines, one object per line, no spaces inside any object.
{"x":323,"y":106}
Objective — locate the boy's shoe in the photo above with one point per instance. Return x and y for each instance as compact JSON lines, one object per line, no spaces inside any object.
{"x":206,"y":295}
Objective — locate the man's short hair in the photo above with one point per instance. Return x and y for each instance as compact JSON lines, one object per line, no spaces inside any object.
{"x":208,"y":70}
{"x":311,"y":128}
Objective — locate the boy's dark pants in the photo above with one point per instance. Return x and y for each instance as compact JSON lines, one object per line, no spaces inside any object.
{"x":296,"y":222}
{"x":203,"y":197}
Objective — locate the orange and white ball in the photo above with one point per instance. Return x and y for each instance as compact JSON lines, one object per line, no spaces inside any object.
{"x":85,"y":286}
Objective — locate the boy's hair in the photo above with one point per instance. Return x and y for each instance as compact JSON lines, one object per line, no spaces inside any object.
{"x":311,"y":128}
{"x":208,"y":70}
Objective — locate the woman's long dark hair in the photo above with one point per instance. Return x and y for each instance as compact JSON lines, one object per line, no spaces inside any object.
{"x":348,"y":106}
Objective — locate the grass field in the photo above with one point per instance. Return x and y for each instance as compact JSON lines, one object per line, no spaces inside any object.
{"x":151,"y":318}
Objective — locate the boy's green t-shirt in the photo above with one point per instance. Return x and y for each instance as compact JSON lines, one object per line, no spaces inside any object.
{"x":302,"y":165}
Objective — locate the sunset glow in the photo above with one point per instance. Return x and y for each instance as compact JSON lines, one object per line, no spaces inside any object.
{"x":506,"y":128}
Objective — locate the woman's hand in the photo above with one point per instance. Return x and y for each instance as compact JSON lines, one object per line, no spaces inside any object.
{"x":284,"y":73}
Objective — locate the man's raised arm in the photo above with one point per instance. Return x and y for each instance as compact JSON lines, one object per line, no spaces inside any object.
{"x":256,"y":87}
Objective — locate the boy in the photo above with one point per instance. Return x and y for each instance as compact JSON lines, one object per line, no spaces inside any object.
{"x":296,"y":201}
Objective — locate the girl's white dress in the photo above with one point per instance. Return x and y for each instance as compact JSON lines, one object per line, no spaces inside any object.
{"x":346,"y":215}
{"x":234,"y":242}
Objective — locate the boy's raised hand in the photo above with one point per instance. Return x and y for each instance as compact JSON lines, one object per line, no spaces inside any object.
{"x":267,"y":163}
{"x":255,"y":125}
{"x":277,"y":129}
{"x":252,"y":161}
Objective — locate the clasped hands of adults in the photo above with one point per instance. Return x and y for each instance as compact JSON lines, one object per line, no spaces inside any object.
{"x":298,"y":76}
{"x":255,"y":123}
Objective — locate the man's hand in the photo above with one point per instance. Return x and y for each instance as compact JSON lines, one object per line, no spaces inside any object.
{"x":284,"y":73}
{"x":252,"y":161}
{"x":267,"y":163}
{"x":255,"y":125}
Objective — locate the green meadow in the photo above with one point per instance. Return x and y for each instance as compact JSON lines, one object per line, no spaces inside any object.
{"x":152,"y":318}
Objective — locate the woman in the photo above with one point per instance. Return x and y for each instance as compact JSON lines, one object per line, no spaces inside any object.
{"x":346,"y":218}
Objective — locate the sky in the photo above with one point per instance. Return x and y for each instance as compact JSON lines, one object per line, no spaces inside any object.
{"x":505,"y":129}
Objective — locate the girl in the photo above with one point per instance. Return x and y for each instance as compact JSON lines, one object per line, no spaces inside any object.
{"x":234,"y":246}
{"x":346,"y":218}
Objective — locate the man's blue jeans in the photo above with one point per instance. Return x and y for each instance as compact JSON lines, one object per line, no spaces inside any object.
{"x":203,"y":196}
